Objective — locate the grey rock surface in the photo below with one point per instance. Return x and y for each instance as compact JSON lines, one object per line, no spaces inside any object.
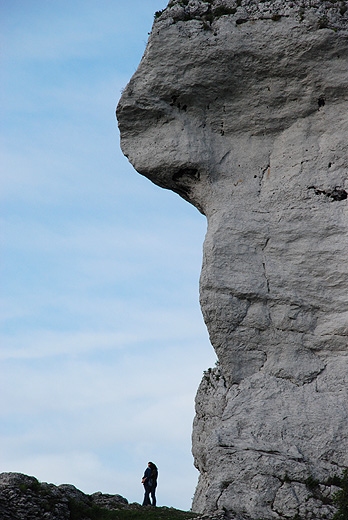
{"x":241,"y":107}
{"x":23,"y":497}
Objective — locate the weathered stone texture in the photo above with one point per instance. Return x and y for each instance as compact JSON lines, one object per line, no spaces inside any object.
{"x":242,"y":108}
{"x":25,"y":498}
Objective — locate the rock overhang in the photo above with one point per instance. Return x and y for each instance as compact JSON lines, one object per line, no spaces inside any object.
{"x":187,"y":106}
{"x":244,"y":114}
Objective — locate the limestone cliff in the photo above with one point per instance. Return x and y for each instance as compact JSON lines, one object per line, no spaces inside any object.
{"x":241,"y":107}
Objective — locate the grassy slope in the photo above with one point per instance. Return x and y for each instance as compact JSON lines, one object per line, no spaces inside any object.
{"x":80,"y":511}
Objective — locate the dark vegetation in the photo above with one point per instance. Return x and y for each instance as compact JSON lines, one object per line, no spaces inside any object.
{"x":85,"y":509}
{"x":81,"y":511}
{"x":341,"y":498}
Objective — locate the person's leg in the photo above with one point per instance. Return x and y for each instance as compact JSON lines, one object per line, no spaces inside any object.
{"x":146,"y":501}
{"x":153,"y":495}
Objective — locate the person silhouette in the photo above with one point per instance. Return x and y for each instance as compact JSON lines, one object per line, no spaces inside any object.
{"x":149,"y":482}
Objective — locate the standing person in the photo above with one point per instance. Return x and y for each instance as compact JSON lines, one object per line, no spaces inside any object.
{"x":149,"y":481}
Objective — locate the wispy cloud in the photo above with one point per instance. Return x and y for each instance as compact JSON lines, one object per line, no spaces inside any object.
{"x":118,"y":404}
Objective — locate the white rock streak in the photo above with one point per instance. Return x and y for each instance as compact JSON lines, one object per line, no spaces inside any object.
{"x":243,"y":111}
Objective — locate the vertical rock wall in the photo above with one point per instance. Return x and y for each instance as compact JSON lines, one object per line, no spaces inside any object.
{"x":241,"y":107}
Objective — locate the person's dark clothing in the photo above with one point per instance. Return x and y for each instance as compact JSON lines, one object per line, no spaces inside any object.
{"x":150,"y":484}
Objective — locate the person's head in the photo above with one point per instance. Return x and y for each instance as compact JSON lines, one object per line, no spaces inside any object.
{"x":151,"y":465}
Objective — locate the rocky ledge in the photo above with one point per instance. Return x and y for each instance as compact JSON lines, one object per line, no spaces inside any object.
{"x":311,"y":13}
{"x":25,"y":498}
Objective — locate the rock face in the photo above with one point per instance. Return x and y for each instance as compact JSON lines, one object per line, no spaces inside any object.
{"x":241,"y":107}
{"x":25,"y":498}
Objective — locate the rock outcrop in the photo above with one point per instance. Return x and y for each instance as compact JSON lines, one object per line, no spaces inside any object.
{"x":25,"y":498}
{"x":241,"y":107}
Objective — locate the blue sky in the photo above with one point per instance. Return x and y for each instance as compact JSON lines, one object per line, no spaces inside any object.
{"x":102,"y":340}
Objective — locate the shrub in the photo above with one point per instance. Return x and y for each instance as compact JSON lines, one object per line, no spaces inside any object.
{"x":81,"y":511}
{"x":333,"y":481}
{"x":341,"y":498}
{"x":33,"y":486}
{"x":158,"y":14}
{"x":323,"y":22}
{"x":311,"y":483}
